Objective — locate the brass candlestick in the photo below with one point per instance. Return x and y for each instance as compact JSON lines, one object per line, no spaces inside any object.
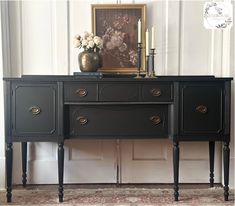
{"x":139,"y":48}
{"x":147,"y":67}
{"x":152,"y":54}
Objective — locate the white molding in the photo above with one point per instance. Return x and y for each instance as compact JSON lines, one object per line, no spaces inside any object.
{"x":165,"y":37}
{"x":180,"y":44}
{"x":226,"y":53}
{"x":5,"y":38}
{"x":212,"y":53}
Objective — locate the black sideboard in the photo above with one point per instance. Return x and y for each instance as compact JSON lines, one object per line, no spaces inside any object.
{"x":56,"y":108}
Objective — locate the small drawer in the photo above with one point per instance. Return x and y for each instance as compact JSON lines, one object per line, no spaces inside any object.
{"x":80,"y":92}
{"x":119,"y":92}
{"x":157,"y":92}
{"x":119,"y":121}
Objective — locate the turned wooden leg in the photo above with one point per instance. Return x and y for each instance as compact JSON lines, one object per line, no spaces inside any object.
{"x":61,"y":170}
{"x":24,"y":163}
{"x":211,"y":157}
{"x":9,"y":157}
{"x":176,"y":169}
{"x":226,"y":154}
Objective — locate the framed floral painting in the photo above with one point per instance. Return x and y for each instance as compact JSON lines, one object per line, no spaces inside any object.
{"x":117,"y":25}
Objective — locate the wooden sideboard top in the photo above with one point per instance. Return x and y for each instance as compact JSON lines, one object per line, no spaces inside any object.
{"x":114,"y":78}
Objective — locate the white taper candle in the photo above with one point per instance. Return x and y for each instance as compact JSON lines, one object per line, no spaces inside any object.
{"x":147,"y":42}
{"x":153,"y":39}
{"x":139,"y":31}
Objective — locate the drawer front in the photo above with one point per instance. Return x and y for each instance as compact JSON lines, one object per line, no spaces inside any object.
{"x":119,"y":121}
{"x":119,"y":92}
{"x":80,"y":92}
{"x":157,"y":92}
{"x":34,"y":109}
{"x":201,"y":108}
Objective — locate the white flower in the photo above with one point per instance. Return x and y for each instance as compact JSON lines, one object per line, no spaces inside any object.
{"x":89,"y":38}
{"x":91,"y":44}
{"x":77,"y":37}
{"x":85,"y":35}
{"x":76,"y":43}
{"x":100,"y":45}
{"x":97,"y":40}
{"x":88,"y":42}
{"x":84,"y":43}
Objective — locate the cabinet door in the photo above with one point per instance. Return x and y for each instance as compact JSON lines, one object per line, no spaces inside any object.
{"x":34,"y":109}
{"x":201,"y":108}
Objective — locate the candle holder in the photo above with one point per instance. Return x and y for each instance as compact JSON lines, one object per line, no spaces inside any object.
{"x":147,"y":67}
{"x":139,"y":48}
{"x":152,"y":54}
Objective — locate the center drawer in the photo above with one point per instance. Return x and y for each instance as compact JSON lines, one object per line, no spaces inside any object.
{"x":118,"y":121}
{"x":74,"y":92}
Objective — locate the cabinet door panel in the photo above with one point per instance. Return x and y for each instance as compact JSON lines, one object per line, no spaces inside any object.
{"x":34,"y":109}
{"x":201,"y":108}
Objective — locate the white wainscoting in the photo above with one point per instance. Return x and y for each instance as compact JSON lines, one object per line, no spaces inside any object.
{"x":40,"y":41}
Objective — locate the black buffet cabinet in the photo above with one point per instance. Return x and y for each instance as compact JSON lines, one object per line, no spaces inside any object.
{"x":56,"y":108}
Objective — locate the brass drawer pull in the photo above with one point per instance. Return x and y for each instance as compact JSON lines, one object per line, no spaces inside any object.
{"x":81,"y":92}
{"x":82,"y":120}
{"x":202,"y":109}
{"x":35,"y":110}
{"x":156,"y":92}
{"x":155,"y":120}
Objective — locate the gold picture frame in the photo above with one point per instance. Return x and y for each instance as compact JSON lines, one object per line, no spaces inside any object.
{"x":117,"y":25}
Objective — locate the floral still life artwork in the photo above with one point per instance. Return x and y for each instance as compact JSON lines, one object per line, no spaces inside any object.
{"x":118,"y":29}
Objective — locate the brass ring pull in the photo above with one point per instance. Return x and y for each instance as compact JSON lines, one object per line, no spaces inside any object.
{"x":202,"y":109}
{"x":35,"y":110}
{"x":155,"y":120}
{"x":82,"y":120}
{"x":156,"y":92}
{"x":81,"y":92}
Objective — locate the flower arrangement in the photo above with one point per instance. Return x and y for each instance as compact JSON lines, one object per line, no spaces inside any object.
{"x":88,"y":42}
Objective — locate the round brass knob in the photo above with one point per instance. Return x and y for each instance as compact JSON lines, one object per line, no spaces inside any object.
{"x":155,"y":120}
{"x":156,"y":92}
{"x":81,"y":92}
{"x":82,"y":120}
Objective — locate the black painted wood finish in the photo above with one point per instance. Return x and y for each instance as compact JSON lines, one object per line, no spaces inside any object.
{"x":56,"y":108}
{"x":226,"y":153}
{"x":176,"y":154}
{"x":61,"y":170}
{"x":9,"y":158}
{"x":212,"y":157}
{"x":24,"y":163}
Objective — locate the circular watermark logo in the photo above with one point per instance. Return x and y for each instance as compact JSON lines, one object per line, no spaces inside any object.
{"x":218,"y":15}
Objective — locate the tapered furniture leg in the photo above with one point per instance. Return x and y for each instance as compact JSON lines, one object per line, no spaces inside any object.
{"x":176,"y":169}
{"x":211,"y":157}
{"x":61,"y":170}
{"x":9,"y":153}
{"x":226,"y":154}
{"x":24,"y":163}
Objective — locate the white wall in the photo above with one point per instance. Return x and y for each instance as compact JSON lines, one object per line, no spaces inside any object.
{"x":41,"y":34}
